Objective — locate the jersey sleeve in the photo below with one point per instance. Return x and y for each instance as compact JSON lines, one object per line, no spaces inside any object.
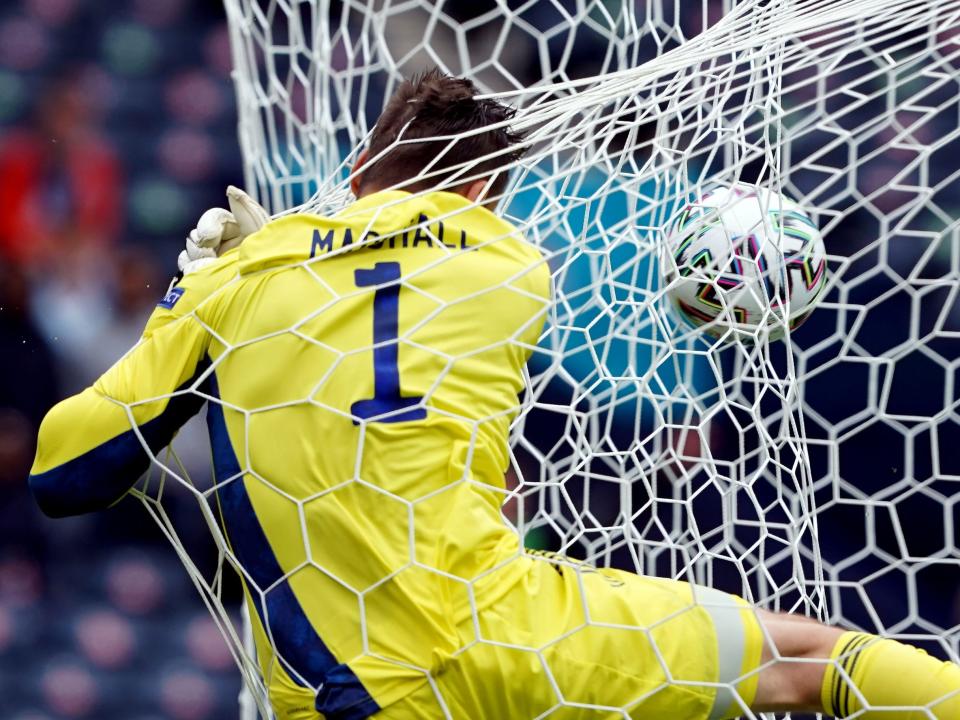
{"x":93,"y":447}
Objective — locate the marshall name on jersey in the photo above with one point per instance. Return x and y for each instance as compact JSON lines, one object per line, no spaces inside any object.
{"x":365,"y":369}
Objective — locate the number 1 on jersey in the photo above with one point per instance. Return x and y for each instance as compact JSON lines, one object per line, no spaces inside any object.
{"x":386,"y":398}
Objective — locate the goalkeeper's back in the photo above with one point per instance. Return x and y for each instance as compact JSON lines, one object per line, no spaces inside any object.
{"x":362,"y":372}
{"x":371,"y":420}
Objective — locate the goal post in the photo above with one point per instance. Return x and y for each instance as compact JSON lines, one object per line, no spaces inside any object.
{"x":814,"y":474}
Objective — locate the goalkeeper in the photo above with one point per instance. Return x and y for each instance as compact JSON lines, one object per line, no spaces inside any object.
{"x":362,"y":371}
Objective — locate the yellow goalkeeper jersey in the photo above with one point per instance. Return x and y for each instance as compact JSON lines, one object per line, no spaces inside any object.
{"x":362,"y":372}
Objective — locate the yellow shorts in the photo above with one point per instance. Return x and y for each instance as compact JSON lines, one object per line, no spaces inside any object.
{"x":573,"y":641}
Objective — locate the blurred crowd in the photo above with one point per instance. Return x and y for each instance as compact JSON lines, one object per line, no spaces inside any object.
{"x":116,"y":130}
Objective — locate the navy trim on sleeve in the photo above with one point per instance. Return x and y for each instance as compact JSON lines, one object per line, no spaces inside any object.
{"x":100,"y":477}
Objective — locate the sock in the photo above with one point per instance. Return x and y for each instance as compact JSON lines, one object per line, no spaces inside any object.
{"x":888,"y":674}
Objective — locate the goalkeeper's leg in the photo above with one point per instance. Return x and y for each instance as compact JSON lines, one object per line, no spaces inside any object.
{"x":824,"y":669}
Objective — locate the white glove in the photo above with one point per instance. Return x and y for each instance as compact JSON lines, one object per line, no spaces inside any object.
{"x":219,"y":230}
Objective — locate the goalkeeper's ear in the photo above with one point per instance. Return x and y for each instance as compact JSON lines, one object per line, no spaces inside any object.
{"x":356,"y":171}
{"x":478,"y":190}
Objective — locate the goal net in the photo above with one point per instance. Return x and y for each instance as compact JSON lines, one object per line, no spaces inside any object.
{"x":816,"y":474}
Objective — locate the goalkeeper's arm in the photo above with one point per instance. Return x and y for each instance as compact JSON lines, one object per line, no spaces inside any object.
{"x":93,"y":447}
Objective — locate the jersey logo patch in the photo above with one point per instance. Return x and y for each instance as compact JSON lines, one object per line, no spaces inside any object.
{"x":170,"y":299}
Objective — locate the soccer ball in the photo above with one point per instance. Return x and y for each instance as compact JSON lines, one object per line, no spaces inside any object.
{"x":744,"y":261}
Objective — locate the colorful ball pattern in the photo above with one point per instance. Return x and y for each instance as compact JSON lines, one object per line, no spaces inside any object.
{"x":743,"y":262}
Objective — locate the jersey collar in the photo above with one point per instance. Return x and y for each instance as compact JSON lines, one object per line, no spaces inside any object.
{"x":389,"y":198}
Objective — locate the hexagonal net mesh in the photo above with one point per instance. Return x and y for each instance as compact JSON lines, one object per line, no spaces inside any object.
{"x":815,"y":474}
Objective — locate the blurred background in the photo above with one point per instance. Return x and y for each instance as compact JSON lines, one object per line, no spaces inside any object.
{"x":117,"y":129}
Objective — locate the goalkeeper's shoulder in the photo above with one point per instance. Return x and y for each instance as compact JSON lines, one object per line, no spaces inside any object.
{"x":532,"y":262}
{"x":195,"y":294}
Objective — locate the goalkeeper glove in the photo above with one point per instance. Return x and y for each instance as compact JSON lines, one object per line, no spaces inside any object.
{"x":219,"y":230}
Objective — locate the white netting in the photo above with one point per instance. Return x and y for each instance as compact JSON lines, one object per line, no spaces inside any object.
{"x":816,"y":474}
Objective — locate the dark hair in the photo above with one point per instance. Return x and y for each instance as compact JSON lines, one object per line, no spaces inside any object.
{"x":430,"y":105}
